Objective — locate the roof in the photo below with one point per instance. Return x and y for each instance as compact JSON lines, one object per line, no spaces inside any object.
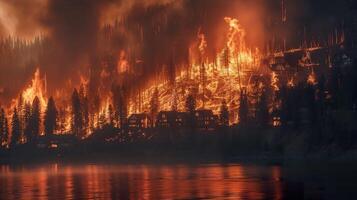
{"x":204,"y":112}
{"x":139,"y":116}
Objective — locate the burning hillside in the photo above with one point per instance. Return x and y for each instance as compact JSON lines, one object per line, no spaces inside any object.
{"x":90,"y":73}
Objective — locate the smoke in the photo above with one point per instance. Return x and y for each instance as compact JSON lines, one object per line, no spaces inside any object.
{"x":75,"y":26}
{"x":158,"y":32}
{"x":22,"y":18}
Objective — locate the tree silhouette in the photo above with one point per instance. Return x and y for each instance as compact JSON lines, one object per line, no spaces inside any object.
{"x":224,"y":114}
{"x":21,"y":112}
{"x":111,"y":115}
{"x":243,"y":107}
{"x":35,"y":118}
{"x":84,"y":107}
{"x":6,"y":131}
{"x":50,"y":122}
{"x":263,"y":116}
{"x":119,"y":95}
{"x":27,"y":122}
{"x":190,"y":108}
{"x":77,"y":119}
{"x":174,"y":100}
{"x":190,"y":103}
{"x":225,"y":58}
{"x":85,"y":113}
{"x":2,"y":127}
{"x":15,"y":129}
{"x":154,"y":105}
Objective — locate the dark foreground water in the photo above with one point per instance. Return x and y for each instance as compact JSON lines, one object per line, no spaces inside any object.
{"x":206,"y":181}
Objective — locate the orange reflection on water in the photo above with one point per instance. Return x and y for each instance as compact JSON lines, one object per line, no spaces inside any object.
{"x":140,"y":182}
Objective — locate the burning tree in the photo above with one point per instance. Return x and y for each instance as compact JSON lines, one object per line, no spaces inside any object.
{"x":120,"y":105}
{"x":50,"y":122}
{"x":15,"y":129}
{"x":243,"y":108}
{"x":224,"y":114}
{"x":77,"y":118}
{"x":263,"y":115}
{"x":154,"y":105}
{"x":35,"y":119}
{"x":4,"y":135}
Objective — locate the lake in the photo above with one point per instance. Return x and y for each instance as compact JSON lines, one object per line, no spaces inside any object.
{"x":173,"y":181}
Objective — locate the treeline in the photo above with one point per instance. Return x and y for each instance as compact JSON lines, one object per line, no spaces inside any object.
{"x":305,"y":106}
{"x":26,"y":123}
{"x":19,"y":52}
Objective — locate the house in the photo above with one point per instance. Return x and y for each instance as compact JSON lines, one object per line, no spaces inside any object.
{"x":206,"y":120}
{"x":139,"y":121}
{"x":170,"y":119}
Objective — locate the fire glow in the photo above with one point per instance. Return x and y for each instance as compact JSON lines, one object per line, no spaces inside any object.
{"x":237,"y":68}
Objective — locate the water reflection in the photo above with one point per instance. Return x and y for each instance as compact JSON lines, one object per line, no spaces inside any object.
{"x":141,"y":182}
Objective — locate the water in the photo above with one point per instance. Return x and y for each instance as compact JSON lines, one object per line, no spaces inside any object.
{"x":111,"y":181}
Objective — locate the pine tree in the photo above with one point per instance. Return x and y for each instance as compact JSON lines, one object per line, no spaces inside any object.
{"x":21,"y":112}
{"x":85,"y":113}
{"x":15,"y":129}
{"x":224,"y":114}
{"x":2,"y":127}
{"x":27,"y":122}
{"x":50,"y":122}
{"x":61,"y":120}
{"x":120,"y":104}
{"x":77,"y":119}
{"x":111,"y":115}
{"x":243,"y":108}
{"x":225,"y":57}
{"x":154,"y":105}
{"x":6,"y":131}
{"x":190,"y":103}
{"x":263,"y":110}
{"x":35,"y":118}
{"x":123,"y":109}
{"x":190,"y":108}
{"x":174,"y":100}
{"x":84,"y":107}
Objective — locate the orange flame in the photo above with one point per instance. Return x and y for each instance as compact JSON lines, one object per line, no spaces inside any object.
{"x":37,"y":88}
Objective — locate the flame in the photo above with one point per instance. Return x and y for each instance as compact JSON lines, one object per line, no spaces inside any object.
{"x":123,"y":64}
{"x":202,"y":43}
{"x":291,"y":82}
{"x":221,"y":82}
{"x":37,"y":88}
{"x":274,"y":81}
{"x":311,"y":79}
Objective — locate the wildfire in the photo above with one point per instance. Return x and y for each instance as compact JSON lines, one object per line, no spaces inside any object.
{"x":222,"y":82}
{"x":236,"y":67}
